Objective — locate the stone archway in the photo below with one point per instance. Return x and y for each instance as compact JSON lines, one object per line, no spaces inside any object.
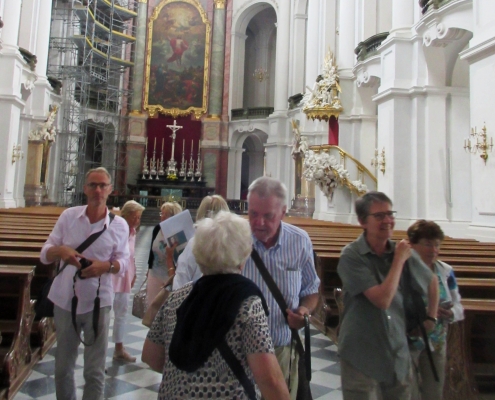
{"x":246,"y":161}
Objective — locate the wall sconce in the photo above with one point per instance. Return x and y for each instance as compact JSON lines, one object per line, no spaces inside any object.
{"x":260,"y":74}
{"x":17,"y":153}
{"x":481,"y":145}
{"x":379,"y":160}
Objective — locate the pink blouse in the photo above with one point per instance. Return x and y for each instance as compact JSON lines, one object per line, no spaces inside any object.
{"x":123,"y":284}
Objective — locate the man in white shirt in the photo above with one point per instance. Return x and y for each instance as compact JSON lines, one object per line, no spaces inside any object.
{"x":109,"y":254}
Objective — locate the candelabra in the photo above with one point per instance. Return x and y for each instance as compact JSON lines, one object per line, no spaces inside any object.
{"x":183,"y":164}
{"x":197,"y":174}
{"x":379,"y":160}
{"x":190,"y":171}
{"x":153,"y":163}
{"x":477,"y":143}
{"x":161,"y":172}
{"x":260,"y":74}
{"x":145,"y":170}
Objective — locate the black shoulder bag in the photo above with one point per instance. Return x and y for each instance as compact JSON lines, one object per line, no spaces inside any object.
{"x":44,"y":306}
{"x":415,"y":312}
{"x":304,"y":390}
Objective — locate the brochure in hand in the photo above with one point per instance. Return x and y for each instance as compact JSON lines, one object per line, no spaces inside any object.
{"x":178,"y":229}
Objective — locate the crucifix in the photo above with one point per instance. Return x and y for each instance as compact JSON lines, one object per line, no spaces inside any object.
{"x":172,"y":170}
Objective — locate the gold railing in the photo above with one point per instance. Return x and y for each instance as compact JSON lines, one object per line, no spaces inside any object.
{"x":363,"y":174}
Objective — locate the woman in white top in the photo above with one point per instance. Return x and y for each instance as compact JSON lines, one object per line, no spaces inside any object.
{"x":159,"y":269}
{"x":187,"y":269}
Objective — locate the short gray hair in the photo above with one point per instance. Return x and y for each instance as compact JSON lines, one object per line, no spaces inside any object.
{"x":130,"y":207}
{"x":211,"y":205}
{"x":266,"y":186}
{"x":364,"y":203}
{"x":222,"y":244}
{"x":99,"y":170}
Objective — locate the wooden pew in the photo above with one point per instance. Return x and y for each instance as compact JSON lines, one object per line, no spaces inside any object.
{"x":16,"y":319}
{"x":474,"y":265}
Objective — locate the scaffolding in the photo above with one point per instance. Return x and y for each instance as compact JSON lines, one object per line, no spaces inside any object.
{"x":91,"y":53}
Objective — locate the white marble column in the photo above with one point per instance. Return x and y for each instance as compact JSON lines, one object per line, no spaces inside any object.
{"x":282,"y":59}
{"x":402,"y":16}
{"x":10,"y":31}
{"x":43,"y":36}
{"x":28,"y":28}
{"x":11,"y":102}
{"x":312,"y":49}
{"x":347,"y":35}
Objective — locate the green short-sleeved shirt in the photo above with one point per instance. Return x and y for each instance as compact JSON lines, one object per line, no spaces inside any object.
{"x":370,"y":339}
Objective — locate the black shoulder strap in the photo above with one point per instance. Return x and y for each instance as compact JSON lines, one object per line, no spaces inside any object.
{"x":277,"y":295}
{"x":89,"y":241}
{"x":236,"y":367}
{"x":408,"y":292}
{"x":96,"y":308}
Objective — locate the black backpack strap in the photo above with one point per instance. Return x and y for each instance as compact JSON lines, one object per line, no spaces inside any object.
{"x":236,"y":367}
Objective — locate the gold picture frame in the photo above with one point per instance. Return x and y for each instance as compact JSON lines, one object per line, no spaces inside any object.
{"x":177,"y":59}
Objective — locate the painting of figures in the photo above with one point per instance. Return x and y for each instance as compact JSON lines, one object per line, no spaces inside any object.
{"x":177,"y":58}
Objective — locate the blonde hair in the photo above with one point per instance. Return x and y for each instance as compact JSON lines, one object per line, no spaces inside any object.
{"x":222,"y":244}
{"x":130,"y":207}
{"x":210,"y":206}
{"x":171,"y":207}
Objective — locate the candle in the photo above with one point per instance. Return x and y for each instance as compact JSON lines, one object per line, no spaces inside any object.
{"x":183,"y":145}
{"x":163,"y":140}
{"x":192,"y":147}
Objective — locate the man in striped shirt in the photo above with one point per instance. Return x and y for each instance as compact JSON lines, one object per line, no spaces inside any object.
{"x":287,"y":253}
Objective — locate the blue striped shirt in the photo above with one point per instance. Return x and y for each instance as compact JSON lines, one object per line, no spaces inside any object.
{"x":290,"y":263}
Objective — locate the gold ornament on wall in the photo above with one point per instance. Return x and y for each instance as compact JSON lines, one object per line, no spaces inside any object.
{"x":477,"y":142}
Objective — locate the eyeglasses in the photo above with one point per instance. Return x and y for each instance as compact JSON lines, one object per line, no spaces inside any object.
{"x":94,"y":185}
{"x":430,"y":243}
{"x":380,"y":216}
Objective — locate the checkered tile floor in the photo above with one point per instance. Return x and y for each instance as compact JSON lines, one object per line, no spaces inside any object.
{"x":135,"y":381}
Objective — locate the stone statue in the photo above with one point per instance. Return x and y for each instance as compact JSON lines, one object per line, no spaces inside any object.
{"x":46,"y":131}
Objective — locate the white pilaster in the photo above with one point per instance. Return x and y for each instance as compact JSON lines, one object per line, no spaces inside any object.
{"x":10,"y":31}
{"x":402,"y":16}
{"x":282,"y":58}
{"x":28,"y":28}
{"x":347,"y":34}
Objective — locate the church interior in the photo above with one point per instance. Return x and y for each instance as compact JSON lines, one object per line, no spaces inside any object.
{"x":179,"y":99}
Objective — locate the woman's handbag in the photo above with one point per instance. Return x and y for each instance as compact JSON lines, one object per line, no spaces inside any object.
{"x":157,"y":303}
{"x":140,"y":301}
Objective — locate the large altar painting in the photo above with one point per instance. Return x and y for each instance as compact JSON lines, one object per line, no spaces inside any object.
{"x":177,"y":59}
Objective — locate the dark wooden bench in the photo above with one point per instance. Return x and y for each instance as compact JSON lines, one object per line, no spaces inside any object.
{"x":16,"y":320}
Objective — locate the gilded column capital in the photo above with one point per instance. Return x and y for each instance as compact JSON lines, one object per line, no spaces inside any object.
{"x":220,"y":4}
{"x":143,"y":1}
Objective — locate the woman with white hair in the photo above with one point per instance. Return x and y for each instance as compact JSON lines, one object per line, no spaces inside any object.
{"x":187,"y":268}
{"x":221,"y":313}
{"x":131,"y":212}
{"x":160,"y":264}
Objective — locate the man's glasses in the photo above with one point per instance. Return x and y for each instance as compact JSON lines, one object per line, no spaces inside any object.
{"x":430,"y":243}
{"x":94,"y":185}
{"x":380,"y":216}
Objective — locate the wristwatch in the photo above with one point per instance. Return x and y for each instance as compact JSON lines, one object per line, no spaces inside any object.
{"x":431,"y":319}
{"x":112,"y":268}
